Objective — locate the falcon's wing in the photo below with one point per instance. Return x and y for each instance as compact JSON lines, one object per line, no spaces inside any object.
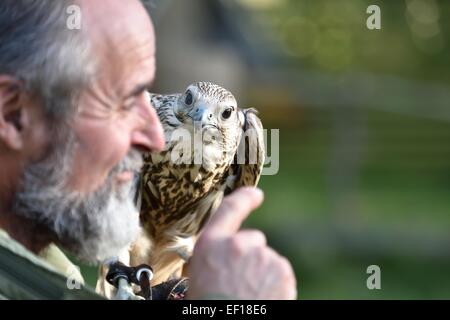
{"x":164,"y":104}
{"x":144,"y":194}
{"x":249,"y":160}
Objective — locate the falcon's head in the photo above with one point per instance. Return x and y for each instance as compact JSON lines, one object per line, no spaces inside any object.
{"x":214,"y":109}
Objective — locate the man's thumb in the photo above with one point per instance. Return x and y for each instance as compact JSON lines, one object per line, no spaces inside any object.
{"x":234,"y":209}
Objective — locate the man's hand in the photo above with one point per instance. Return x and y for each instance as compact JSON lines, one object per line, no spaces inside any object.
{"x":238,"y":264}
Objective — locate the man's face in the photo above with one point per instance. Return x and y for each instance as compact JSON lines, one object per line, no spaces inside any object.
{"x":82,"y":190}
{"x":115,"y":114}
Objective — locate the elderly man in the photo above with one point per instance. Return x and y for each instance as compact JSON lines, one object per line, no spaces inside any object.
{"x":73,"y":120}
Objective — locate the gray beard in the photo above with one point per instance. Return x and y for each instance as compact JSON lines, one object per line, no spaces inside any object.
{"x":93,"y":227}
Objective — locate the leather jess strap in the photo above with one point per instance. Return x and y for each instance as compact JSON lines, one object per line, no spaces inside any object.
{"x":174,"y":289}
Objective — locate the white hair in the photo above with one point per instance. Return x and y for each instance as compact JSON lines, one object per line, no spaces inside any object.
{"x":94,"y":227}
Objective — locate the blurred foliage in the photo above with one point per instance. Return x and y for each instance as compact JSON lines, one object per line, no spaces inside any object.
{"x":396,"y":215}
{"x":331,"y":35}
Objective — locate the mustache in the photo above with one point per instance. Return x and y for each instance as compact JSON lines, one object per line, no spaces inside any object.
{"x":133,"y":162}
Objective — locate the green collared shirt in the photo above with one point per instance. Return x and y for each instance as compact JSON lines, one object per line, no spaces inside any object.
{"x":51,"y":275}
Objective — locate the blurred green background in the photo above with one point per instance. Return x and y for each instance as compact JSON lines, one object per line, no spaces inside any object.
{"x":364,"y":120}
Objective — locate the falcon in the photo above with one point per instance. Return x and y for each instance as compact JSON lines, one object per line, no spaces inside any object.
{"x":212,"y":148}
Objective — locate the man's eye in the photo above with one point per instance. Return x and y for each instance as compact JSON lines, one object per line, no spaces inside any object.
{"x":129,"y":105}
{"x":133,"y":101}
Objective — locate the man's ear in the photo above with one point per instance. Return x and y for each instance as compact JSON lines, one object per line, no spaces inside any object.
{"x":11,"y":113}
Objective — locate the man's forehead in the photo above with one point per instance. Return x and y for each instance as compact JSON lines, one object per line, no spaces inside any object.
{"x":114,"y":24}
{"x":123,"y":41}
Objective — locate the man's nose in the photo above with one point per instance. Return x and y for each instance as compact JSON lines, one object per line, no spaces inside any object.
{"x":150,"y":134}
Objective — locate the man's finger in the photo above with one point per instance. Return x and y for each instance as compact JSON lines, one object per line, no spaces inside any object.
{"x":233,"y":211}
{"x":250,"y":238}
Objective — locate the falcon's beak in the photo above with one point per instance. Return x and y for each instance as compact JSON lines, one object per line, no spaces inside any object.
{"x":201,"y":114}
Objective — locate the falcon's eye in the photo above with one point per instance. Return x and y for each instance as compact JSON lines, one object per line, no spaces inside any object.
{"x":189,"y":98}
{"x":227,"y":113}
